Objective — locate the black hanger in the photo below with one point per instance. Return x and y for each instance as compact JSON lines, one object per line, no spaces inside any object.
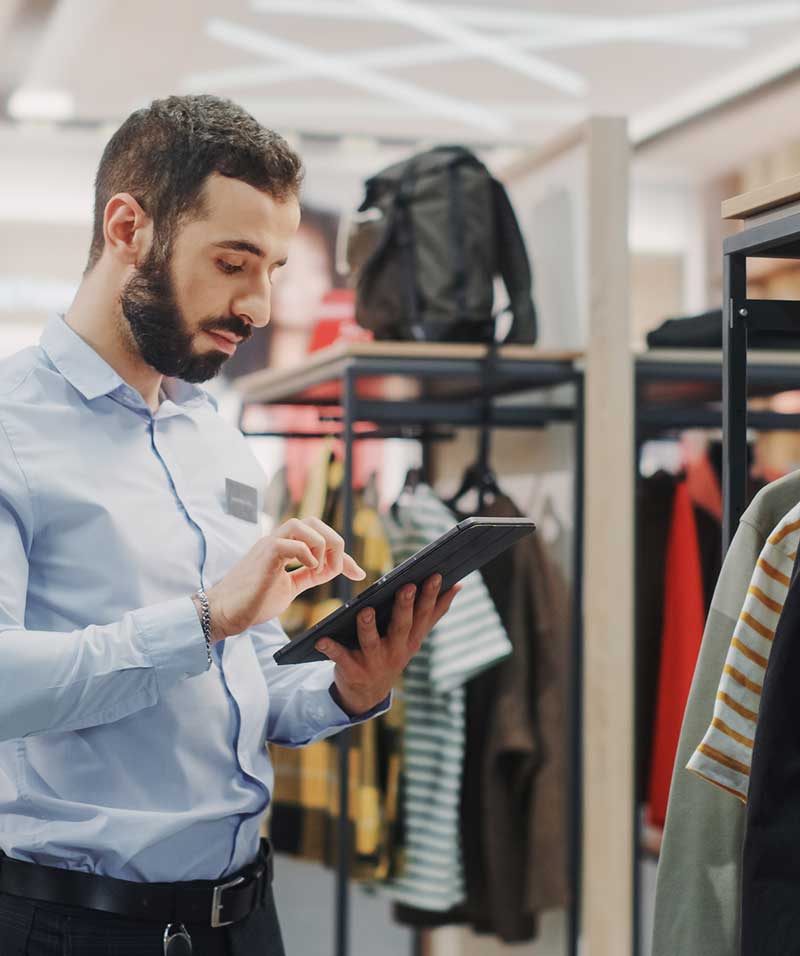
{"x":479,"y":478}
{"x":413,"y":478}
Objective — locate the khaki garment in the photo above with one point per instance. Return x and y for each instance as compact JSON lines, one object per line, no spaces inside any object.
{"x":699,"y":874}
{"x":724,"y":757}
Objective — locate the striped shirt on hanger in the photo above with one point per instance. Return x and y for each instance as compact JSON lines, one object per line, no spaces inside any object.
{"x":468,"y":640}
{"x":724,"y":755}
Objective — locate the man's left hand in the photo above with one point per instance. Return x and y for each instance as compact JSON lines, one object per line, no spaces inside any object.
{"x":364,"y":677}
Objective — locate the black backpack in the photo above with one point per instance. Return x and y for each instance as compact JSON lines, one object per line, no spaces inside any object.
{"x":425,"y":246}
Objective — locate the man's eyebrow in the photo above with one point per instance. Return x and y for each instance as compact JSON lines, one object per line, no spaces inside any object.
{"x":242,"y":245}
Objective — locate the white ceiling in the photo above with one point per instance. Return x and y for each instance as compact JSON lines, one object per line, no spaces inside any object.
{"x":337,"y":76}
{"x":507,"y":76}
{"x":514,"y":71}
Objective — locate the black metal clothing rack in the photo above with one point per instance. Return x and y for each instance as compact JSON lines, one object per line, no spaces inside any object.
{"x":740,"y":315}
{"x":455,"y":392}
{"x":666,"y":375}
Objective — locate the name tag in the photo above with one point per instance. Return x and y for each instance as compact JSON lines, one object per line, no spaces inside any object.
{"x":241,"y":500}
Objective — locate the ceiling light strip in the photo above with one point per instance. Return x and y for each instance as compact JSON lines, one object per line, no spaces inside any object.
{"x":490,"y":48}
{"x":321,"y":64}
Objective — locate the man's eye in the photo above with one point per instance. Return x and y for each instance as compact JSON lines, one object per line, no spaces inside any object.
{"x":228,"y":268}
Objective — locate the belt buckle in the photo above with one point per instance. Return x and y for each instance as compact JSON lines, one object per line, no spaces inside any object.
{"x":217,"y":904}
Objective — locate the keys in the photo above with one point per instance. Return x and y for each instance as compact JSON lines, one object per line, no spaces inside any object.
{"x":177,"y":941}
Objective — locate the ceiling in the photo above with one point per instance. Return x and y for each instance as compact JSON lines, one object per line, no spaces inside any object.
{"x":515,"y":72}
{"x":357,"y":83}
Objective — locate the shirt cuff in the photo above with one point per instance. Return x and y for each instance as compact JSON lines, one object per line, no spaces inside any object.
{"x":376,"y":711}
{"x":173,"y":640}
{"x":326,"y":718}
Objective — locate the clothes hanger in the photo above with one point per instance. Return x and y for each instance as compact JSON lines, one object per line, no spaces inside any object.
{"x":478,"y":477}
{"x":413,"y":479}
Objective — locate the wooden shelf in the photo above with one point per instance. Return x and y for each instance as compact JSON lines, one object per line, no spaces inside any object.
{"x":330,"y":363}
{"x":762,"y":200}
{"x":786,"y":358}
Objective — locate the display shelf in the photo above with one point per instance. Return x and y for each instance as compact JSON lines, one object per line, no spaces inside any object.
{"x":455,"y":386}
{"x":694,"y":377}
{"x":758,"y":202}
{"x":406,"y":363}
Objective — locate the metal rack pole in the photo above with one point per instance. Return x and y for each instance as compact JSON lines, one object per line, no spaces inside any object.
{"x":575,"y":828}
{"x":734,"y":394}
{"x":343,"y":739}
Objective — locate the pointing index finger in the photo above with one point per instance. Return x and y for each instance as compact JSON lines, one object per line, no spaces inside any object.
{"x":351,"y":569}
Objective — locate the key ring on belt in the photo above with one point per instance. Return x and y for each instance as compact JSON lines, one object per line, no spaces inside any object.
{"x":177,"y":941}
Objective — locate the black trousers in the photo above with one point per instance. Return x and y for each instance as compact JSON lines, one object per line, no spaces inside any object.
{"x":33,"y":928}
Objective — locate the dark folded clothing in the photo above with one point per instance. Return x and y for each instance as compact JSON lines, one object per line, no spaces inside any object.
{"x":704,"y":331}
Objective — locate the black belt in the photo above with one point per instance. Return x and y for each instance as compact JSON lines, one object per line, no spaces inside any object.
{"x":197,"y":901}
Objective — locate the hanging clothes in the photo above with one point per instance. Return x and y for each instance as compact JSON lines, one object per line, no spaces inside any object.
{"x":684,"y":616}
{"x":655,"y":500}
{"x":466,"y":642}
{"x":305,"y":804}
{"x":699,"y":871}
{"x":514,"y":792}
{"x":514,"y":805}
{"x":771,"y":860}
{"x":704,"y":485}
{"x":724,"y":755}
{"x":655,"y":497}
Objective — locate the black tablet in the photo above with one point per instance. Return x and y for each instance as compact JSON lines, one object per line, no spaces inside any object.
{"x":464,"y":548}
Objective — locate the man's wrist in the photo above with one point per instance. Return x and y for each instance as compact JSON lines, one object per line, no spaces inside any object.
{"x":215,"y":634}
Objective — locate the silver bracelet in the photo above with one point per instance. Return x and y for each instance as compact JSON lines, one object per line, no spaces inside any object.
{"x":205,"y":620}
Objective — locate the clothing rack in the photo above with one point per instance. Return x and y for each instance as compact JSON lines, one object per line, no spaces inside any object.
{"x":453,"y":386}
{"x":771,"y":230}
{"x":662,"y":377}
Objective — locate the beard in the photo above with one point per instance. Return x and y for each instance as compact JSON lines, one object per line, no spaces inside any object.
{"x":159,"y":328}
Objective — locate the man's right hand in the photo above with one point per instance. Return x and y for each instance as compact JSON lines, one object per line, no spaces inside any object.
{"x":260,"y":588}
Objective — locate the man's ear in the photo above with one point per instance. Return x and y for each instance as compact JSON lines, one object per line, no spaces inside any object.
{"x":127,"y":229}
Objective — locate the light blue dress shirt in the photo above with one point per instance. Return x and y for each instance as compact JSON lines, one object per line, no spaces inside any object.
{"x":121,"y":752}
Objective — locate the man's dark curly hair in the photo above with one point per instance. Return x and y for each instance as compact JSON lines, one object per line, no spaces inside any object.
{"x":163,"y":154}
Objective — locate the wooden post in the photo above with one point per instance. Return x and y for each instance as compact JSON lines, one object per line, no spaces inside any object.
{"x":608,"y":743}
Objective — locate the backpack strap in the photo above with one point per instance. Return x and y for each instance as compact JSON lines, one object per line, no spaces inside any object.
{"x":405,"y":242}
{"x":514,"y":267}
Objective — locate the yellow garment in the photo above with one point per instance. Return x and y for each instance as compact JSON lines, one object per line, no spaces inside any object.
{"x":304,"y":813}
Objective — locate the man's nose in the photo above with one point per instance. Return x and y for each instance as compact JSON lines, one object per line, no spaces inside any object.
{"x":254,"y":308}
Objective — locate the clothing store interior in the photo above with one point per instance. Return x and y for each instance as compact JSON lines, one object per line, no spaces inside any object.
{"x":546,"y":268}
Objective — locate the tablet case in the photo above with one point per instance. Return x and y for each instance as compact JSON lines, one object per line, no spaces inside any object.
{"x":463,"y":549}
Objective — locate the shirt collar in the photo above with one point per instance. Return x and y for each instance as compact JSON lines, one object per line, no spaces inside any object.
{"x":184,"y":393}
{"x":92,"y":376}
